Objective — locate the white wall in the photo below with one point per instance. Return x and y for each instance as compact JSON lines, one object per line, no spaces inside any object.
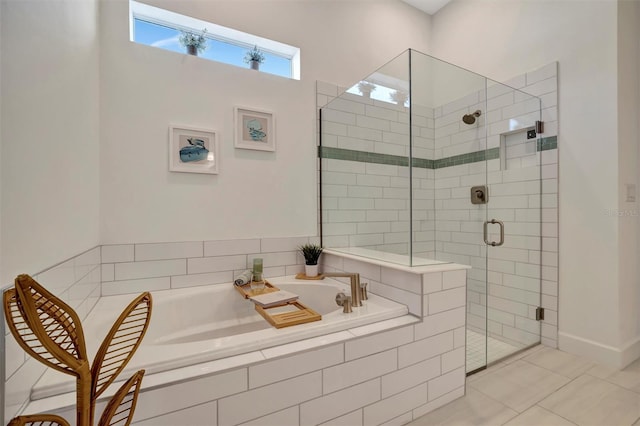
{"x":49,"y":133}
{"x":256,"y":194}
{"x":629,"y":139}
{"x":1,"y":267}
{"x":512,"y":37}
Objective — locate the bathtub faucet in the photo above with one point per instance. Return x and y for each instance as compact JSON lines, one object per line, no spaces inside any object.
{"x":356,"y":299}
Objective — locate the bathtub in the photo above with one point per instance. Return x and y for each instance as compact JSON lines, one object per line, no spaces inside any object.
{"x":196,"y":325}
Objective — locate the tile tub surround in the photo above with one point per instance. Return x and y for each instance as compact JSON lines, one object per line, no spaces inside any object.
{"x":403,"y":367}
{"x":133,"y":268}
{"x":201,"y":324}
{"x":77,"y":282}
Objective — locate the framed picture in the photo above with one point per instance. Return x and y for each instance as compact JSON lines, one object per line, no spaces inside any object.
{"x":193,"y":150}
{"x":255,"y":129}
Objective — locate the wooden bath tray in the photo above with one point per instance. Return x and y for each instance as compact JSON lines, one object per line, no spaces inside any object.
{"x":246,"y":292}
{"x":297,"y":314}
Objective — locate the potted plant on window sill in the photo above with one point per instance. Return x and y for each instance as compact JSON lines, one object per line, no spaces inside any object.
{"x":254,"y":58}
{"x":365,"y":88}
{"x":399,"y":97}
{"x":195,"y":43}
{"x":311,"y":253}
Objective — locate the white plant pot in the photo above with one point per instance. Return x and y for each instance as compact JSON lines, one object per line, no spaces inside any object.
{"x":311,"y":270}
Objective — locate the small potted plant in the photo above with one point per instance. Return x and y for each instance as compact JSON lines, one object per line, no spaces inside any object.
{"x":366,"y":88}
{"x":195,"y":43}
{"x":311,"y":253}
{"x":254,"y":58}
{"x":399,"y":97}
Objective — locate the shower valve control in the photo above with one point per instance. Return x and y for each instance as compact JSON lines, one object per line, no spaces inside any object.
{"x":479,"y":194}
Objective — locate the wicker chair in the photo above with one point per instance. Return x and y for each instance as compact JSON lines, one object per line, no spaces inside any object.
{"x":50,"y":331}
{"x":38,"y":420}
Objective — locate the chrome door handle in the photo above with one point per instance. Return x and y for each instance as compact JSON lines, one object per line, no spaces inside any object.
{"x":493,"y":243}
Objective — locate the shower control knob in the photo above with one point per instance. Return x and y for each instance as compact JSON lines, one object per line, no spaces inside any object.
{"x":479,"y":194}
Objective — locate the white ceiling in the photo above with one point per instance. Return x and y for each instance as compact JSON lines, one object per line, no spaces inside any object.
{"x":429,"y":6}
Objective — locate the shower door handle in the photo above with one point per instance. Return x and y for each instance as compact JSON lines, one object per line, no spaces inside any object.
{"x":486,"y":238}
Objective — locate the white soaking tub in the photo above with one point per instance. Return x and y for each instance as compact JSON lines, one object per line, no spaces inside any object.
{"x":195,"y":325}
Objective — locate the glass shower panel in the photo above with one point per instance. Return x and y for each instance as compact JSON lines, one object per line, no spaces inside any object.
{"x":365,"y":144}
{"x":424,"y":162}
{"x":514,"y":220}
{"x":445,"y":152}
{"x":448,"y":159}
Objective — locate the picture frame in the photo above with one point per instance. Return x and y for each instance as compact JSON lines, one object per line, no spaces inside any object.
{"x":254,"y":129}
{"x":193,"y":150}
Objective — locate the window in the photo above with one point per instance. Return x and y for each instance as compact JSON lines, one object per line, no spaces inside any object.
{"x":156,"y":27}
{"x":383,"y":87}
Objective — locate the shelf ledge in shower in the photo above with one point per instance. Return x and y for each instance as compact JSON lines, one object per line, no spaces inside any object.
{"x":362,"y":255}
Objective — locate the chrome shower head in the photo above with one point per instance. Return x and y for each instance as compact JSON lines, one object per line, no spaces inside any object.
{"x":471,"y":118}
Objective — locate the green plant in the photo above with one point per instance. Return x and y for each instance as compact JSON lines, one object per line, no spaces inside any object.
{"x":366,"y":87}
{"x":254,"y":54}
{"x":311,"y":253}
{"x":188,"y":38}
{"x":399,"y":96}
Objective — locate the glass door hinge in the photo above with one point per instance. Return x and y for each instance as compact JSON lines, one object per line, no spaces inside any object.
{"x":539,"y":314}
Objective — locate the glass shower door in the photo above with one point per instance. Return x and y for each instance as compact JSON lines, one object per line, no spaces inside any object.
{"x":512,"y":227}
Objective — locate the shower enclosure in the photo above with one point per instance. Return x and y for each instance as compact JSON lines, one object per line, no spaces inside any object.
{"x":424,"y":162}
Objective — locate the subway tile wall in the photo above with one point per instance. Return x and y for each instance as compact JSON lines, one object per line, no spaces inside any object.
{"x":522,"y":182}
{"x":365,"y":178}
{"x":133,"y":268}
{"x":77,"y":282}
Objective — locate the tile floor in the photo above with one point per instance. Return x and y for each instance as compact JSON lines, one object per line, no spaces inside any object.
{"x":545,"y":387}
{"x":477,"y":355}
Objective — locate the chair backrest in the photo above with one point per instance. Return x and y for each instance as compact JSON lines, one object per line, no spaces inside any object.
{"x":44,"y":326}
{"x":119,"y":411}
{"x":120,"y":343}
{"x":38,"y":420}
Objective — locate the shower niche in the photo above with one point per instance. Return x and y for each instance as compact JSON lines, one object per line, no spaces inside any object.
{"x":399,"y":153}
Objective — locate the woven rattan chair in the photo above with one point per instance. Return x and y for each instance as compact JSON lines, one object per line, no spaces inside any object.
{"x":118,"y":412}
{"x":38,"y":420}
{"x":50,"y":331}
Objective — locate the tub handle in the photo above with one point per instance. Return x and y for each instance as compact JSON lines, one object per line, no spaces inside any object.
{"x":363,"y":291}
{"x":344,"y":301}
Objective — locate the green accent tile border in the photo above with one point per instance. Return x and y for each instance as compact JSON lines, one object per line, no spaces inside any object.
{"x":371,"y":157}
{"x":546,"y":144}
{"x":423,"y":163}
{"x":543,"y":144}
{"x":471,"y":157}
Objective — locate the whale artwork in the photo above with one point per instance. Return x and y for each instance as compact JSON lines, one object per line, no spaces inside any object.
{"x":255,"y":130}
{"x":195,"y":151}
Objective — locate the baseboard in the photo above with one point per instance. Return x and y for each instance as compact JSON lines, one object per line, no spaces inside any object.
{"x":602,"y":354}
{"x":630,"y":352}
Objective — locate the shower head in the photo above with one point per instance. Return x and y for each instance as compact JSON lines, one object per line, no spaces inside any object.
{"x":471,"y":118}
